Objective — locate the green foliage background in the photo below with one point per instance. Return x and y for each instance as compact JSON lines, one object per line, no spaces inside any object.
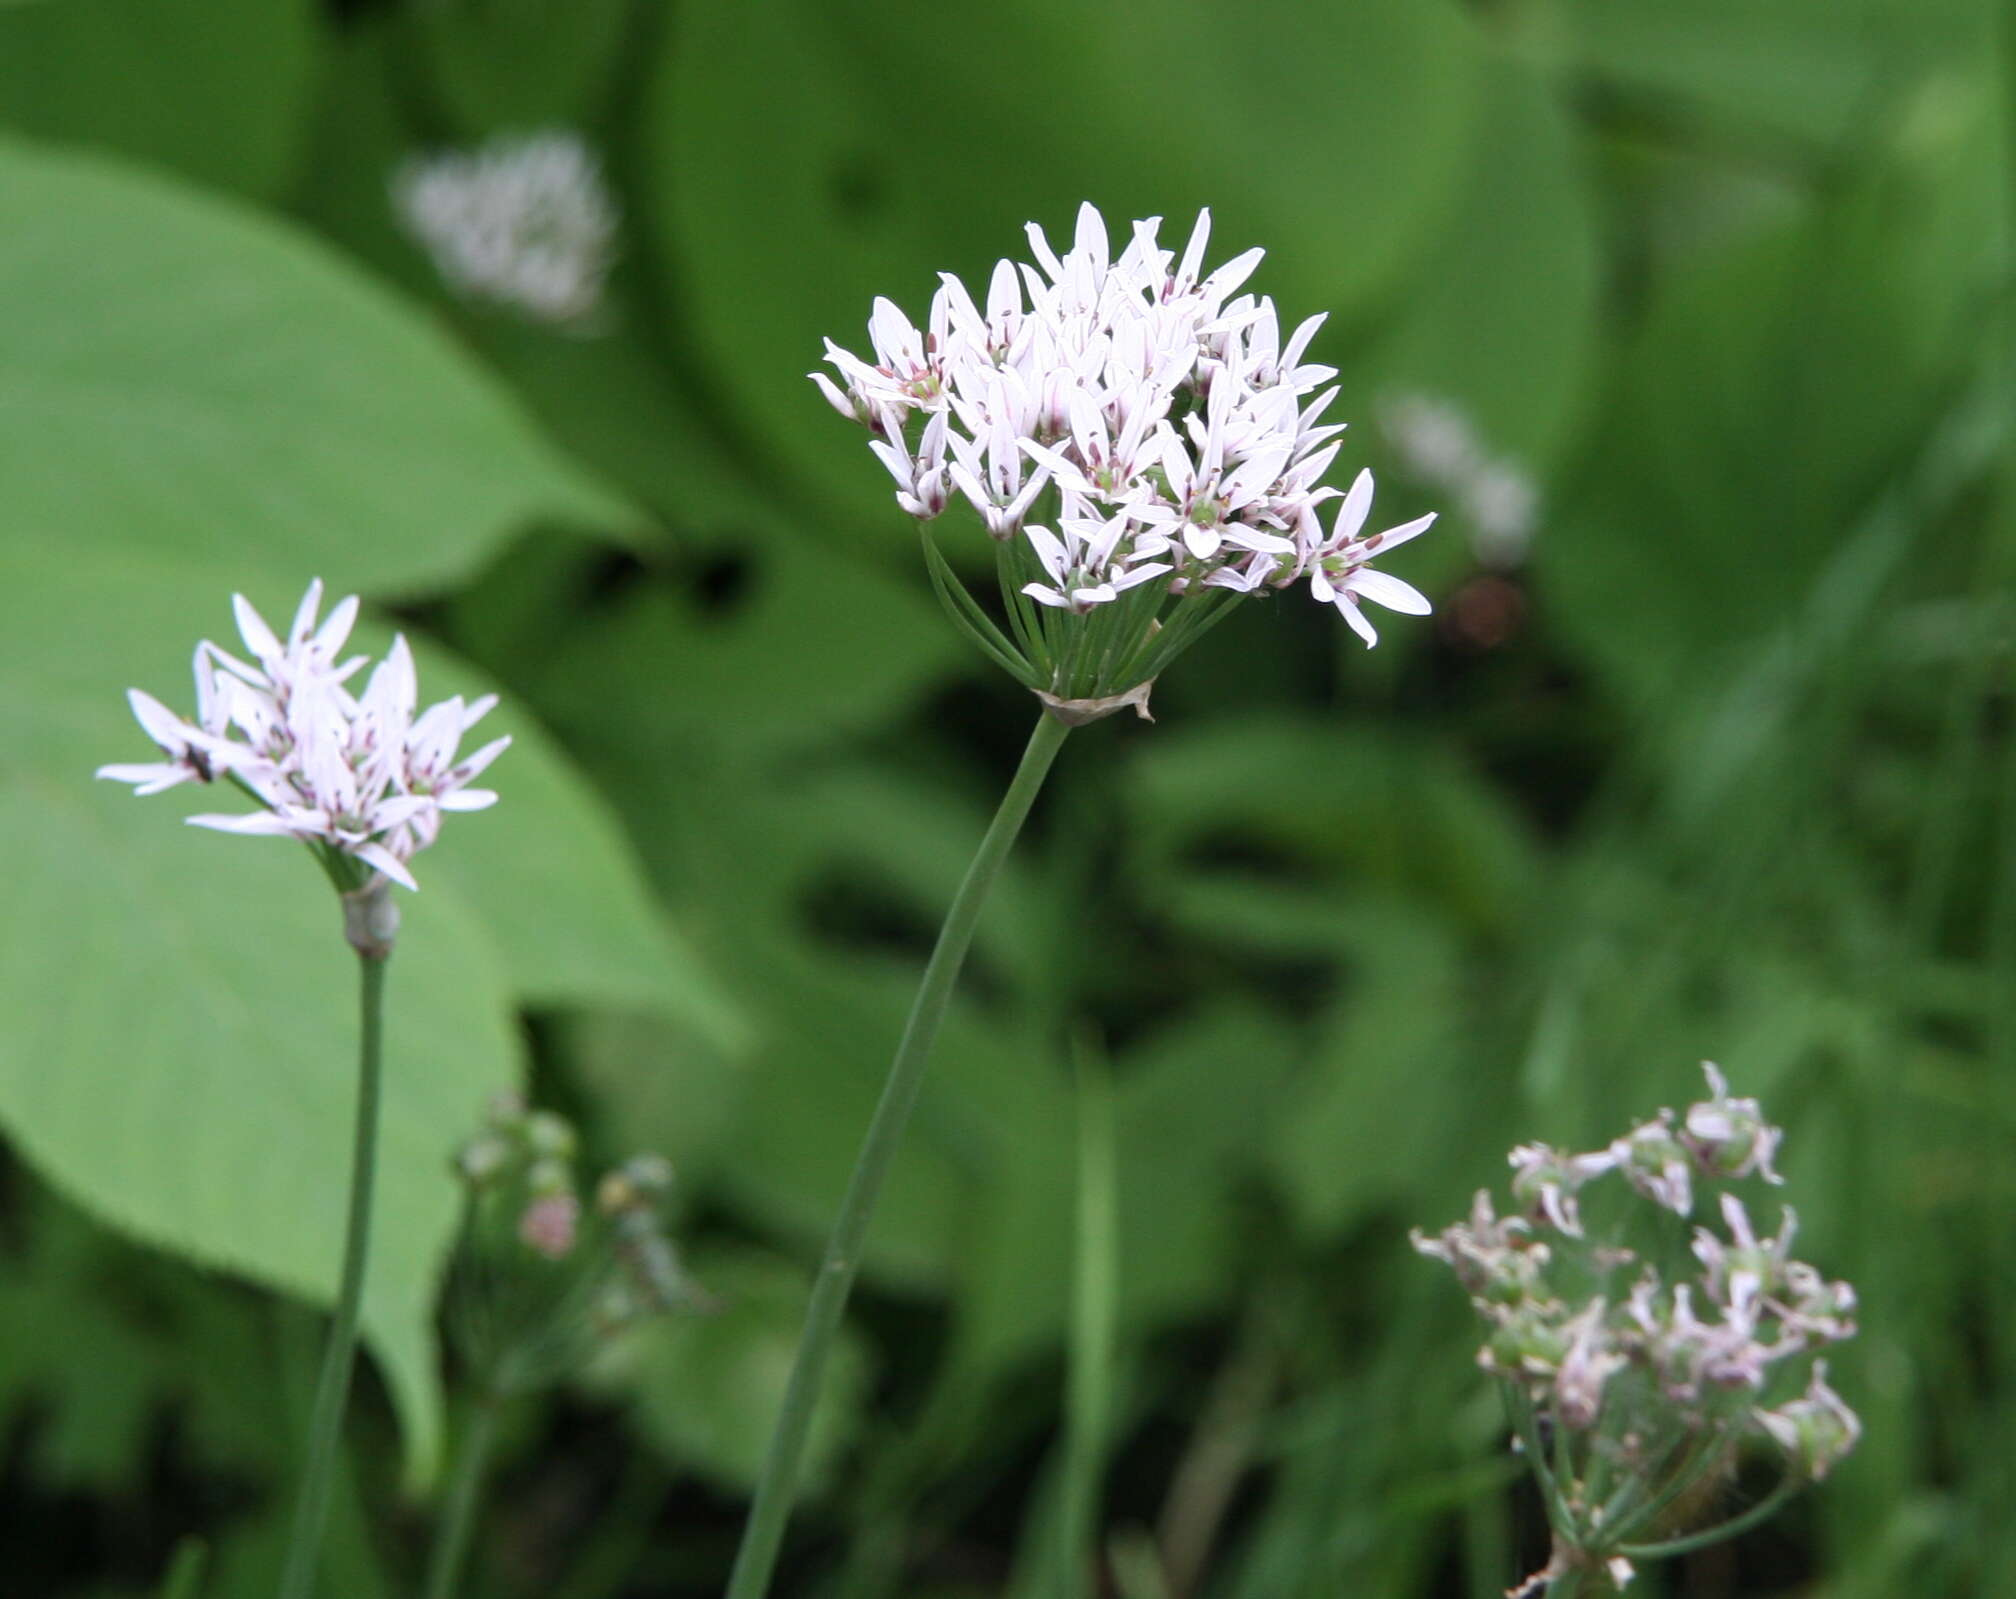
{"x":1723,"y":770}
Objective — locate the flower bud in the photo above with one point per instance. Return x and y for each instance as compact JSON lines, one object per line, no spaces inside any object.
{"x":1817,"y":1431}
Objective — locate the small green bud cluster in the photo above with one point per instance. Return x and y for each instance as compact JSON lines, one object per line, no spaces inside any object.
{"x":540,"y":1278}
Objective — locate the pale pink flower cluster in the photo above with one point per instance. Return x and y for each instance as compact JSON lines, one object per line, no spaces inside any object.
{"x":1173,"y":431}
{"x":362,"y":775}
{"x":1696,"y":1353}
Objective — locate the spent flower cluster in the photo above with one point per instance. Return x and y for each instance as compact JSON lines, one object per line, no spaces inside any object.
{"x":540,"y":1277}
{"x":1131,"y":429}
{"x":526,"y":222}
{"x":1647,"y":1382}
{"x":364,"y":779}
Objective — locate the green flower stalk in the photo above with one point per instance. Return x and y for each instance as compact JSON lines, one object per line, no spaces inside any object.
{"x":1144,"y":450}
{"x":364,"y":782}
{"x":539,"y":1281}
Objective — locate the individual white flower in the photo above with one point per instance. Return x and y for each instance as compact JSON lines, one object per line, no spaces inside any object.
{"x":358,"y":776}
{"x":1339,"y":575}
{"x":1133,"y":391}
{"x":526,"y":221}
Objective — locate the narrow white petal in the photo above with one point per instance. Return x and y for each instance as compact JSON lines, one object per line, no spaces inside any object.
{"x":1390,"y":591}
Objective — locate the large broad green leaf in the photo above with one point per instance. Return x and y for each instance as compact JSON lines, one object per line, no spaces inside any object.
{"x":215,"y":89}
{"x":1499,"y":315}
{"x":181,"y":374}
{"x":709,"y":1386}
{"x":1808,"y":69}
{"x":889,"y":142}
{"x":177,"y":1029}
{"x":1773,"y":392}
{"x":518,"y":66}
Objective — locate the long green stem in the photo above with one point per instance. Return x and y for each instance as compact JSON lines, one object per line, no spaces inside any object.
{"x":332,"y":1389}
{"x":771,"y":1509}
{"x":458,"y":1516}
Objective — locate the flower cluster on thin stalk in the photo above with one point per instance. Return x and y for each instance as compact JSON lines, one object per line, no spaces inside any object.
{"x":1629,"y":1386}
{"x":1143,"y":441}
{"x":539,"y":1278}
{"x":525,"y":222}
{"x":363,"y":779}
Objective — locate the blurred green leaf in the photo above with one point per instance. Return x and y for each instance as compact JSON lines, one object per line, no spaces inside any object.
{"x":1499,"y":313}
{"x":1771,"y":393}
{"x":182,"y":375}
{"x":1317,"y":802}
{"x":893,"y":141}
{"x":518,"y":66}
{"x":709,"y":1386}
{"x":215,"y":89}
{"x":1806,"y":69}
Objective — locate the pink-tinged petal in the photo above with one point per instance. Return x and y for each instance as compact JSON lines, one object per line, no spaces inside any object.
{"x":330,"y":637}
{"x":1040,"y":246}
{"x":1348,"y":608}
{"x":834,"y":395}
{"x":1385,"y":589}
{"x":1202,"y":542}
{"x":1046,"y":596}
{"x":478,"y":708}
{"x":304,"y":615}
{"x":377,"y":855}
{"x":162,"y":725}
{"x":1357,"y":505}
{"x":261,"y":823}
{"x":154,"y":777}
{"x":467,"y":799}
{"x":1004,"y":293}
{"x":1090,"y":239}
{"x":476,"y":763}
{"x":1193,"y":252}
{"x":1401,"y":534}
{"x":1321,"y":586}
{"x":399,"y":810}
{"x":258,"y":636}
{"x":1298,"y":342}
{"x":1233,"y":273}
{"x":1049,"y":550}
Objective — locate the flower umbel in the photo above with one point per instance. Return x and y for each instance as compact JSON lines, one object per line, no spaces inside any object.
{"x":526,"y":221}
{"x":1137,"y":436}
{"x":360,"y":778}
{"x":1647,"y":1385}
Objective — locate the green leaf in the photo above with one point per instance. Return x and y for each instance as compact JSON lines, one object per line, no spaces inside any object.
{"x":1772,"y":393}
{"x":180,"y":374}
{"x":1499,"y":314}
{"x":518,"y":66}
{"x":709,"y":1386}
{"x":1804,"y":69}
{"x":878,"y":136}
{"x":215,"y":89}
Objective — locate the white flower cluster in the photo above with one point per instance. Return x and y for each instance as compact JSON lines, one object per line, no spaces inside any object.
{"x":1438,"y":444}
{"x":1181,"y":433}
{"x":1651,"y":1375}
{"x":361,"y":776}
{"x":525,"y":221}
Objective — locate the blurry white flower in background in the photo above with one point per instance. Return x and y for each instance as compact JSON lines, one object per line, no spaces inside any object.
{"x":1439,"y":445}
{"x":526,"y":221}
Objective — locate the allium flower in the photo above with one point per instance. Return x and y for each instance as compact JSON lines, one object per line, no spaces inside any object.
{"x":1139,"y":439}
{"x":1648,"y":1384}
{"x":358,"y":777}
{"x":526,"y":221}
